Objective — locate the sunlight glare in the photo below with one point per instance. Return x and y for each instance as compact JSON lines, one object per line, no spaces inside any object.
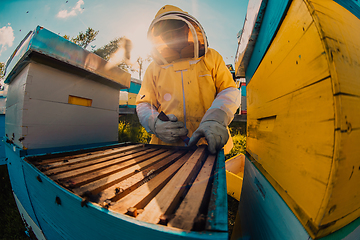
{"x":141,"y":46}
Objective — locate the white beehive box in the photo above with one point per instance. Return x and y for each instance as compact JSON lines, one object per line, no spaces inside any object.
{"x":63,"y":97}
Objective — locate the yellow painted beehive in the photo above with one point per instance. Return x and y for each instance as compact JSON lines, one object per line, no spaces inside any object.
{"x":304,"y":115}
{"x":234,"y":175}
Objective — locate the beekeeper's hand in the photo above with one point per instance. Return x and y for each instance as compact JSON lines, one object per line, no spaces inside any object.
{"x":214,"y":129}
{"x":167,"y":131}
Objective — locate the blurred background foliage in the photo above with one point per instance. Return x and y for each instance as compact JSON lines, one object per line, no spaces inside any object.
{"x":130,"y":130}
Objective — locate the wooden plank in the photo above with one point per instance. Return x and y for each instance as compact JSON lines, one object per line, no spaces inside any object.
{"x":189,"y":209}
{"x":117,"y":175}
{"x":141,"y":171}
{"x":71,"y":159}
{"x":42,"y":163}
{"x":339,"y":29}
{"x":142,"y":195}
{"x":118,"y":191}
{"x":305,"y":64}
{"x":93,"y":161}
{"x":343,"y":205}
{"x":217,"y":218}
{"x":168,"y":197}
{"x":39,"y":160}
{"x":101,"y":173}
{"x":120,"y":162}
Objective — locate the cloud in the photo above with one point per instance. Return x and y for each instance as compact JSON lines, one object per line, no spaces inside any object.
{"x":74,"y":11}
{"x":6,"y":37}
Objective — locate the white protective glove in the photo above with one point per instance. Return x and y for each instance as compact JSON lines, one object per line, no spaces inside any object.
{"x":167,"y":131}
{"x":214,"y":129}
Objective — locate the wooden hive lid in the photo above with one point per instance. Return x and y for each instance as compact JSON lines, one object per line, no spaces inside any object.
{"x":51,"y":49}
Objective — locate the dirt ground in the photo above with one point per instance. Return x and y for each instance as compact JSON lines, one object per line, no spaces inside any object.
{"x":232,"y":209}
{"x":10,"y":221}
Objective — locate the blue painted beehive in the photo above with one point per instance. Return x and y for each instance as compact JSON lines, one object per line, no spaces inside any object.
{"x":70,"y":178}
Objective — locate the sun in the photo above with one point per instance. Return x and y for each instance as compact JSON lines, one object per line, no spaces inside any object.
{"x":141,"y":46}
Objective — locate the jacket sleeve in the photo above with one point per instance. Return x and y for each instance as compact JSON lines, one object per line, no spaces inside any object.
{"x":146,"y":100}
{"x":144,"y":111}
{"x":148,"y":93}
{"x":227,"y":100}
{"x":228,"y":96}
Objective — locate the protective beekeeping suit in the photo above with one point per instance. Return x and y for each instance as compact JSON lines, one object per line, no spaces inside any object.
{"x":189,"y":82}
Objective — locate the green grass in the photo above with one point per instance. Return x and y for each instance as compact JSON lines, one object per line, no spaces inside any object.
{"x":239,"y":146}
{"x":238,"y":133}
{"x":11,"y":225}
{"x":130,"y":130}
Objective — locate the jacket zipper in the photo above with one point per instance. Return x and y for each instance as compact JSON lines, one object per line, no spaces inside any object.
{"x":183,"y":91}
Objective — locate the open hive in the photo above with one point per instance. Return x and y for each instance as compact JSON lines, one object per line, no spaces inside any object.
{"x":70,"y":177}
{"x":171,"y":186}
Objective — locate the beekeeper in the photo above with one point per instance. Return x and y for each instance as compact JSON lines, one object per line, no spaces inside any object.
{"x":187,"y":81}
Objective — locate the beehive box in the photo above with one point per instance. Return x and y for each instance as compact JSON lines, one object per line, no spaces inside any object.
{"x":303,"y":114}
{"x":60,"y":94}
{"x":128,"y":96}
{"x":234,"y":175}
{"x":177,"y":187}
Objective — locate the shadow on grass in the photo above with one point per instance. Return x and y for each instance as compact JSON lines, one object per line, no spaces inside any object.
{"x":11,"y":225}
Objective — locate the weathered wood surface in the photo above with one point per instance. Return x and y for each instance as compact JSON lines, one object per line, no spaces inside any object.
{"x":124,"y":173}
{"x":275,"y":10}
{"x":136,"y":180}
{"x":303,"y":108}
{"x":165,"y":201}
{"x":187,"y":212}
{"x":107,"y":167}
{"x":110,"y":176}
{"x":218,"y":199}
{"x":69,"y":160}
{"x":155,"y":184}
{"x":142,"y":195}
{"x":87,"y":166}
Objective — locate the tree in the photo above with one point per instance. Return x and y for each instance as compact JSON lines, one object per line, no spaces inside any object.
{"x":107,"y":50}
{"x":84,"y":39}
{"x":141,"y":62}
{"x":66,"y":37}
{"x":2,"y":74}
{"x":112,"y":51}
{"x":2,"y":70}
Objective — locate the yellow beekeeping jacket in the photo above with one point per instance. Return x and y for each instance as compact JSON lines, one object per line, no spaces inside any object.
{"x":185,"y":84}
{"x":186,"y":89}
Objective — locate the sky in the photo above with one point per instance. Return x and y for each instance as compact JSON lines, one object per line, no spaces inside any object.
{"x":221,"y":20}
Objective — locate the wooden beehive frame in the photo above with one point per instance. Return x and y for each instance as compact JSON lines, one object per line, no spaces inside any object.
{"x":156,"y":184}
